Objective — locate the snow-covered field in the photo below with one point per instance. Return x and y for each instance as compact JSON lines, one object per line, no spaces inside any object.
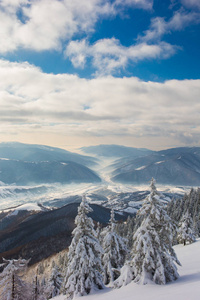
{"x":187,"y":287}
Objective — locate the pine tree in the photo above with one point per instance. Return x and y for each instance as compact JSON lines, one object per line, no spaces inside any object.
{"x":153,"y":255}
{"x":54,"y":283}
{"x":126,"y":230}
{"x":186,"y":231}
{"x":115,"y":251}
{"x":84,"y":271}
{"x":11,"y":283}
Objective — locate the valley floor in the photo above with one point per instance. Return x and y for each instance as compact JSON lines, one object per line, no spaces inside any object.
{"x":187,"y":287}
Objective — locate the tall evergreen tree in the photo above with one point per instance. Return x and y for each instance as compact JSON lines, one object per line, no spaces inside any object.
{"x":153,"y":255}
{"x":186,"y":231}
{"x":115,"y":251}
{"x":84,"y":271}
{"x":54,"y":283}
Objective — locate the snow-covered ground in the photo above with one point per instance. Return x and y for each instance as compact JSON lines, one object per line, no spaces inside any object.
{"x":27,"y":206}
{"x":187,"y":287}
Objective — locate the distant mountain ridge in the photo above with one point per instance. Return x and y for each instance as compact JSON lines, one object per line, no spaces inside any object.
{"x":115,"y":151}
{"x":24,"y":164}
{"x":38,"y":153}
{"x":176,"y":166}
{"x":23,"y":173}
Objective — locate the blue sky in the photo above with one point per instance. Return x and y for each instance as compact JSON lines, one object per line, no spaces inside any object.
{"x":76,"y":73}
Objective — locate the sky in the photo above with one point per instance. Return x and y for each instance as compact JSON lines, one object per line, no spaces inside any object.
{"x":76,"y":73}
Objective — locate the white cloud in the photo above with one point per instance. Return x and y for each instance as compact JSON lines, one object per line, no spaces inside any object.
{"x":145,"y":4}
{"x":191,"y":3}
{"x":160,"y":27}
{"x":108,"y":55}
{"x":46,"y":24}
{"x":34,"y":103}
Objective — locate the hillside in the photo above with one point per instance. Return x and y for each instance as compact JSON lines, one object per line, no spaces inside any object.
{"x":40,"y":233}
{"x":185,"y":288}
{"x":24,"y":173}
{"x":178,"y":166}
{"x":38,"y":153}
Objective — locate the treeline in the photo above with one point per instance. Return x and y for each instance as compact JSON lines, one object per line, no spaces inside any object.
{"x":188,"y":204}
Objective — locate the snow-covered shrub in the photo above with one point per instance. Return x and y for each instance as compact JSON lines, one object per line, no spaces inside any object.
{"x":126,"y":276}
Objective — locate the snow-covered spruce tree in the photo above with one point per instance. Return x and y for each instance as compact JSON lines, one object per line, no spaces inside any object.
{"x":11,"y":284}
{"x":54,"y":283}
{"x":84,"y":270}
{"x":186,"y":231}
{"x":115,"y":251}
{"x":126,"y":230}
{"x":153,"y":256}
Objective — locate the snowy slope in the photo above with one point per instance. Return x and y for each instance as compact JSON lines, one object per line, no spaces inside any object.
{"x":27,"y":206}
{"x":187,"y":287}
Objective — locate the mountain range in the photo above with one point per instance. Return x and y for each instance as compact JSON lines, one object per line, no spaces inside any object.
{"x":24,"y":164}
{"x":115,"y":151}
{"x":176,"y":166}
{"x":38,"y":153}
{"x":23,"y":172}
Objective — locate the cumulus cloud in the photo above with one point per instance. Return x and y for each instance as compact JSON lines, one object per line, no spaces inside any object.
{"x":46,"y":24}
{"x":108,"y":55}
{"x":67,"y":105}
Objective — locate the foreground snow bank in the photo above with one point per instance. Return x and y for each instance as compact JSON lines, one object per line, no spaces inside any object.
{"x":187,"y":287}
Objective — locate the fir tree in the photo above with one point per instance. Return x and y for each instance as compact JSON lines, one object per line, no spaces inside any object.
{"x":54,"y":283}
{"x":153,"y":255}
{"x":11,"y":283}
{"x":186,"y":231}
{"x":84,"y":271}
{"x":126,"y":230}
{"x":191,"y":203}
{"x":115,"y":251}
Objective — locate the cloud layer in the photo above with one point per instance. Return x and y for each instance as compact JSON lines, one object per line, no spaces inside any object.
{"x":107,"y":106}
